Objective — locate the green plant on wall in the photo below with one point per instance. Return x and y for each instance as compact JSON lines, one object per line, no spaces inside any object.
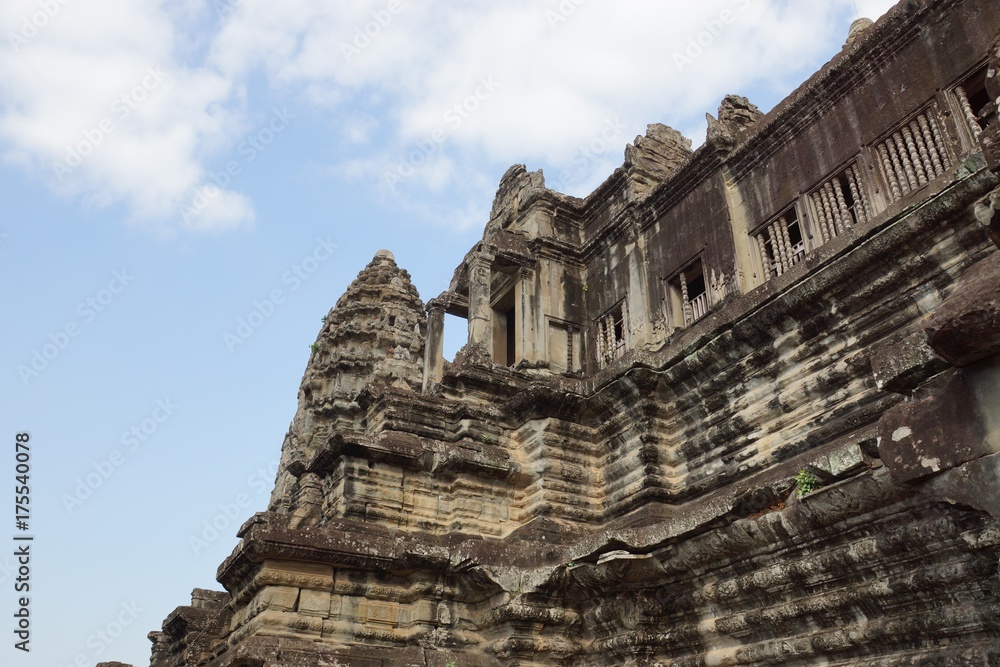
{"x":807,"y":482}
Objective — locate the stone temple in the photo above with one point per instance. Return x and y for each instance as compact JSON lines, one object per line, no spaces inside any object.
{"x":738,"y":406}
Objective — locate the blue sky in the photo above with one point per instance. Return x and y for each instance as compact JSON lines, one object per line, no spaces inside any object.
{"x":188,"y":187}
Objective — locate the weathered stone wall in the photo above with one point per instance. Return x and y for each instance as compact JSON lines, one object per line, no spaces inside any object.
{"x":797,"y":467}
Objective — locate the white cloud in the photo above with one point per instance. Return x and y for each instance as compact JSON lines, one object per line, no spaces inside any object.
{"x":100,"y":108}
{"x":522,"y":81}
{"x":559,"y":78}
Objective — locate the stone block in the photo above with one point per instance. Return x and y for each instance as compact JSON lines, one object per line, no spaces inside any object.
{"x":841,"y":461}
{"x":314,"y":603}
{"x":974,"y":484}
{"x":905,"y":365}
{"x":280,"y":598}
{"x":945,"y":429}
{"x":381,"y":613}
{"x":336,"y":602}
{"x":966,"y":326}
{"x":423,"y":611}
{"x":292,"y":576}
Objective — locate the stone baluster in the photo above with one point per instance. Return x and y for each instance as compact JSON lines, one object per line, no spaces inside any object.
{"x":932,"y":149}
{"x":600,"y":339}
{"x":764,"y":259}
{"x":824,"y":231}
{"x":925,"y":156}
{"x":782,"y":251}
{"x":845,"y":211}
{"x":942,"y":147}
{"x":904,"y":157}
{"x":783,"y":226}
{"x":857,"y":194}
{"x":970,"y":115}
{"x":890,"y":175}
{"x":570,"y":330}
{"x":779,"y":265}
{"x":914,"y":154}
{"x":897,"y":166}
{"x":828,"y":208}
{"x":688,"y":315}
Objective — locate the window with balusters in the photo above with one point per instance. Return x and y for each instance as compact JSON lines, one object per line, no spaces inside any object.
{"x":780,"y":244}
{"x":688,"y":296}
{"x":841,"y":203}
{"x":972,"y":98}
{"x":913,"y":154}
{"x":611,"y":334}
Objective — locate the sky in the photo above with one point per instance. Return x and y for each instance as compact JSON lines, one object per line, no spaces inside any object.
{"x":187,"y":187}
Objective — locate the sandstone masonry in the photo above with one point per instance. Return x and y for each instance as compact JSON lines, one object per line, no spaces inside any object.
{"x":738,"y":406}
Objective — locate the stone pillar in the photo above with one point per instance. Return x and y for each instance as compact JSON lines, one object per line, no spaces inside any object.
{"x":480,"y":312}
{"x":525,"y":344}
{"x":434,"y":345}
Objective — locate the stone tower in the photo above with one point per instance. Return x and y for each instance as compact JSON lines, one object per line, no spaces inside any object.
{"x":374,"y":336}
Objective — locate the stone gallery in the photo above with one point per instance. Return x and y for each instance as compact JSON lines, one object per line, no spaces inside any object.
{"x":738,"y":406}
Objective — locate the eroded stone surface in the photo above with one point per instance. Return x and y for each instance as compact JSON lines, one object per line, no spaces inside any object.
{"x":652,"y":158}
{"x":612,"y":470}
{"x":374,"y":335}
{"x":736,"y":114}
{"x":966,"y":327}
{"x":935,"y":433}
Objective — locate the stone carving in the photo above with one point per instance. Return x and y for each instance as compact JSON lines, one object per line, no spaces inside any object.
{"x":652,"y":158}
{"x":857,"y":29}
{"x":807,"y":476}
{"x":736,"y":114}
{"x":517,"y":188}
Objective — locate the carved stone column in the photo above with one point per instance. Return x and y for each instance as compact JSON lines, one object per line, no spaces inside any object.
{"x":526,"y":342}
{"x":434,"y":346}
{"x":480,"y":313}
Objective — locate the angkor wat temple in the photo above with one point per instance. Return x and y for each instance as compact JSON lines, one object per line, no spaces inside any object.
{"x":738,"y":406}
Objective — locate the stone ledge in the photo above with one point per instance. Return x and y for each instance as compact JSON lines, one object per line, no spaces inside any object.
{"x":903,"y":366}
{"x":966,"y":326}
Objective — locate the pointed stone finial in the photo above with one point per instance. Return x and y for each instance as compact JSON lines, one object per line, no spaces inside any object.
{"x":857,"y":28}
